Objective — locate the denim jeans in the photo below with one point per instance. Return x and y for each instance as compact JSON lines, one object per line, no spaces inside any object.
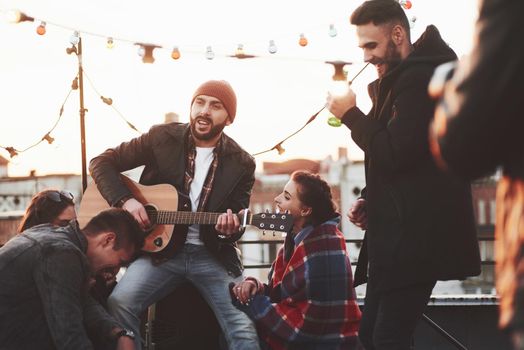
{"x":143,"y":284}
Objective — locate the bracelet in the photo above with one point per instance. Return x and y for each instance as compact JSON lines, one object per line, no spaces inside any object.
{"x":121,"y":201}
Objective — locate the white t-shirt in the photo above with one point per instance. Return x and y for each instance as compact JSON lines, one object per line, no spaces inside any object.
{"x":203,"y":159}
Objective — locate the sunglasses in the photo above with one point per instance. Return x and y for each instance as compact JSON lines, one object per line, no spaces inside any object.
{"x":56,"y":196}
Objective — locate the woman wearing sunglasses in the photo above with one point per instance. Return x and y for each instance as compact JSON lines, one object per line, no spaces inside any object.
{"x":49,"y":207}
{"x":309,"y":301}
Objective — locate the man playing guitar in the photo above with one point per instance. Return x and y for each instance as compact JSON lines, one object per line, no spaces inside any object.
{"x":217,"y":175}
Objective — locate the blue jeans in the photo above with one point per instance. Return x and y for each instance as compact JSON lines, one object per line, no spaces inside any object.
{"x":144,"y":284}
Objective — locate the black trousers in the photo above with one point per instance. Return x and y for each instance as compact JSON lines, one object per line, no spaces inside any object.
{"x":389,"y":318}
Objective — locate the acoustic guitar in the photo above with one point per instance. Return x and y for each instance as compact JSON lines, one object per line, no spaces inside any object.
{"x":169,"y":212}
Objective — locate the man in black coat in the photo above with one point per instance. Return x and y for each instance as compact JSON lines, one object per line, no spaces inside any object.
{"x":217,"y":175}
{"x":419,"y":222}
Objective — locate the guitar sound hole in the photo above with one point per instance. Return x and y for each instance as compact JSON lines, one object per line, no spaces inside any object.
{"x":152,"y":214}
{"x":158,"y":242}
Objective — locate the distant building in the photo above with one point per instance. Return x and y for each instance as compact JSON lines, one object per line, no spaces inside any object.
{"x":3,"y":167}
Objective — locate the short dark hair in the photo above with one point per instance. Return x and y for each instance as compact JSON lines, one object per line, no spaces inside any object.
{"x":315,"y":193}
{"x":45,"y":207}
{"x":380,"y":12}
{"x":119,"y":221}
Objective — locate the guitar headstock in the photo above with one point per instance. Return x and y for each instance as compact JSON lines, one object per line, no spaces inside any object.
{"x":272,"y":222}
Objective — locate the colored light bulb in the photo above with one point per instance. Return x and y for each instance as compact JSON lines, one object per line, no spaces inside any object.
{"x":40,"y":30}
{"x":175,"y":54}
{"x":302,"y":41}
{"x":110,"y":43}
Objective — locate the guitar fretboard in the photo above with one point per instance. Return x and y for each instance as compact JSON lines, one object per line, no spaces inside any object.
{"x":164,"y":217}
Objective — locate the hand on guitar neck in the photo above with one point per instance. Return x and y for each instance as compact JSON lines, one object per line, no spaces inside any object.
{"x":227,"y":223}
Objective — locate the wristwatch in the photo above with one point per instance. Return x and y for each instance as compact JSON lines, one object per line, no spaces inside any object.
{"x":125,"y":333}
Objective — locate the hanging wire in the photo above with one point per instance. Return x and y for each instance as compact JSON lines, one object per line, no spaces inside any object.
{"x":108,"y":101}
{"x":278,"y":147}
{"x":197,"y":48}
{"x":14,"y":151}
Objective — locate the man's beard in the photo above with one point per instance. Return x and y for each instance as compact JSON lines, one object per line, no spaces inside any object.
{"x":212,"y":133}
{"x":391,"y":58}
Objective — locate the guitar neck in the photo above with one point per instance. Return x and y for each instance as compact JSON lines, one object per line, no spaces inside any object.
{"x":163,"y":217}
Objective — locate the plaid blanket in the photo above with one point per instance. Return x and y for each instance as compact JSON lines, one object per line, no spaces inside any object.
{"x":309,"y":302}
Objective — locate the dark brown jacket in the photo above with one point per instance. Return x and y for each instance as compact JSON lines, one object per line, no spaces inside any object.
{"x":420,"y":221}
{"x":163,"y":152}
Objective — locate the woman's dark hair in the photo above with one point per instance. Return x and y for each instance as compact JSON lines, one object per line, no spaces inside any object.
{"x":45,"y":207}
{"x":380,"y":12}
{"x":315,"y":193}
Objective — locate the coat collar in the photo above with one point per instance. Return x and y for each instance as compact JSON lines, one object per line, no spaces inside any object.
{"x":430,"y":48}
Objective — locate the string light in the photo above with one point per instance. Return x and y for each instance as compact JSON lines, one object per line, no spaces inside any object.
{"x":48,"y":138}
{"x":12,"y":152}
{"x":412,"y":22}
{"x":40,"y":30}
{"x":74,"y":84}
{"x":302,"y":41}
{"x":75,"y":38}
{"x":272,"y":47}
{"x":175,"y":54}
{"x":209,"y":53}
{"x":406,"y":4}
{"x":107,"y":100}
{"x":110,"y":43}
{"x":16,"y":16}
{"x":240,"y":54}
{"x":332,"y":31}
{"x":240,"y":50}
{"x":146,"y":52}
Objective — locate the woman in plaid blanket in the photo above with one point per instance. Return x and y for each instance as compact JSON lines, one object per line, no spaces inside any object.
{"x":309,"y":301}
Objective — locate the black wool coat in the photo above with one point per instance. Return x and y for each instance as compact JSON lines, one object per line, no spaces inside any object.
{"x":420,"y":221}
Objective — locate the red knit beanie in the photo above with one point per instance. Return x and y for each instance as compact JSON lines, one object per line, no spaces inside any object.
{"x":223,"y":91}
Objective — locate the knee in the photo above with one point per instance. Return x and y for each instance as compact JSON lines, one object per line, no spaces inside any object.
{"x":117,"y":302}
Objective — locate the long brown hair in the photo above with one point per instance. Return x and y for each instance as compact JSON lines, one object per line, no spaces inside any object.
{"x":45,"y":207}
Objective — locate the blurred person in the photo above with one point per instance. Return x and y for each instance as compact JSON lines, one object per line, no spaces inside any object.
{"x":45,"y":274}
{"x":478,"y":127}
{"x":217,"y":175}
{"x":309,"y":301}
{"x":413,"y":214}
{"x":49,"y":207}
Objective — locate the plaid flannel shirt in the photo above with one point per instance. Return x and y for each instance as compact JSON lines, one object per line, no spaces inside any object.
{"x":309,"y":301}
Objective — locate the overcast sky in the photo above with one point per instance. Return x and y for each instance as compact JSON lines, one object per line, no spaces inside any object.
{"x":276,"y":93}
